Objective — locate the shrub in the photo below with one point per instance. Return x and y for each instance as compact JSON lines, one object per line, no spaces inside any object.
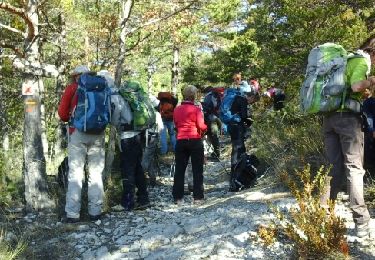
{"x":10,"y":249}
{"x":283,"y":137}
{"x":316,"y":232}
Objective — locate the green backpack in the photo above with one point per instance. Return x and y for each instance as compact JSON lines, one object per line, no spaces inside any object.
{"x":324,"y":87}
{"x":140,"y":104}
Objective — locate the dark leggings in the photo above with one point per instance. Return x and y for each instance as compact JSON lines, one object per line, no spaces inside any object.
{"x":185,"y":149}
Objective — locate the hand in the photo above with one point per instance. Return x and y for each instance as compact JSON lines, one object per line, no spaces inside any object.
{"x":373,"y":135}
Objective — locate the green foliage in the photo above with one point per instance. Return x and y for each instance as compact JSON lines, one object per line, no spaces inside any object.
{"x":11,"y":250}
{"x":370,"y":193}
{"x":283,"y":138}
{"x":315,"y":231}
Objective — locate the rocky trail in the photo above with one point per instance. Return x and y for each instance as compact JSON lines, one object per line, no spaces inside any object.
{"x":224,"y":227}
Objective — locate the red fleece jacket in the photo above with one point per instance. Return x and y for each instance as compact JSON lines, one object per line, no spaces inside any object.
{"x":68,"y":102}
{"x":188,"y":119}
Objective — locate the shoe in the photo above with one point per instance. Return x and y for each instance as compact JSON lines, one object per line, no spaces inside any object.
{"x":362,"y":230}
{"x":70,"y":220}
{"x":152,"y":182}
{"x":128,"y":201}
{"x":95,"y":218}
{"x":178,"y":202}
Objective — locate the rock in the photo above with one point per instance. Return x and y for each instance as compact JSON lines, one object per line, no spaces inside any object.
{"x":102,"y":252}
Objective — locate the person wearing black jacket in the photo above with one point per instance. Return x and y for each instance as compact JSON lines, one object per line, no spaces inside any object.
{"x":237,"y":130}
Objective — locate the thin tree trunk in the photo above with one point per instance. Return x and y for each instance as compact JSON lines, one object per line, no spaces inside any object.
{"x":126,"y":9}
{"x":58,"y":154}
{"x":36,"y":192}
{"x":175,"y":69}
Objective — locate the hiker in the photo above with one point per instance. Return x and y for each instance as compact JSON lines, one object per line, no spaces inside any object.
{"x":188,"y":118}
{"x":238,"y":82}
{"x":131,"y":135}
{"x":211,"y":105}
{"x":237,"y":128}
{"x":343,"y":139}
{"x":254,"y":84}
{"x":369,"y":131}
{"x":166,"y":107}
{"x":80,"y":145}
{"x":277,"y":96}
{"x":149,"y":160}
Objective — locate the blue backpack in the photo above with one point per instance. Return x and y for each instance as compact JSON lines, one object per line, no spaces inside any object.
{"x":93,"y":111}
{"x":225,"y":114}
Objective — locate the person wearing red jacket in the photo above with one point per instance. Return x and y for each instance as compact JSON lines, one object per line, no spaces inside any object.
{"x":80,"y":145}
{"x":189,"y":122}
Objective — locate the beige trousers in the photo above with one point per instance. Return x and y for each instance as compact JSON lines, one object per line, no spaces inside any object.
{"x":82,"y":145}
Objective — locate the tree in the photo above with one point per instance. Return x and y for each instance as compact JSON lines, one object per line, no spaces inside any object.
{"x":27,"y":60}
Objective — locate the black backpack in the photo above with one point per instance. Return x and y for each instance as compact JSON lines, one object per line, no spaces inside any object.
{"x":246,"y":172}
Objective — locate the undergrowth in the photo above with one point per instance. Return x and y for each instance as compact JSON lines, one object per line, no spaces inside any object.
{"x":11,"y":247}
{"x":315,"y":232}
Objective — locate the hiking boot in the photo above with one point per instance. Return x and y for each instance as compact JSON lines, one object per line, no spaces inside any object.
{"x":128,"y":201}
{"x":70,"y":220}
{"x":362,"y":230}
{"x":95,"y":218}
{"x":152,"y":181}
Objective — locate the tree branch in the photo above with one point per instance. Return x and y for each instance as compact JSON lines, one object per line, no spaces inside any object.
{"x":36,"y":69}
{"x":21,"y":12}
{"x":9,"y":28}
{"x":15,"y":49}
{"x":154,"y":21}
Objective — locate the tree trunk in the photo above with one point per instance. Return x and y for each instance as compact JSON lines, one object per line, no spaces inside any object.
{"x":126,"y":10}
{"x":36,"y":192}
{"x":175,"y":69}
{"x":58,"y":154}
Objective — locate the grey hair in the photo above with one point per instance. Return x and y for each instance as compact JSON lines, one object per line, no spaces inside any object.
{"x":189,"y":92}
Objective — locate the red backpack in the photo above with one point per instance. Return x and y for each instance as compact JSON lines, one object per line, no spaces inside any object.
{"x":167,"y":105}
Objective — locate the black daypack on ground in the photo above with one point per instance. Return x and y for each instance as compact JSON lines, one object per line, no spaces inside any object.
{"x":245,"y":172}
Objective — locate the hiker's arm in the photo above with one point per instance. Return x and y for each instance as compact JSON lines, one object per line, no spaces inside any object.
{"x":243,"y":109}
{"x":202,"y":127}
{"x":363,"y":84}
{"x":65,"y":103}
{"x":358,"y":80}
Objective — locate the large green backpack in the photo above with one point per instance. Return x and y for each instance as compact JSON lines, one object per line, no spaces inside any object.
{"x":324,"y":88}
{"x":140,"y":104}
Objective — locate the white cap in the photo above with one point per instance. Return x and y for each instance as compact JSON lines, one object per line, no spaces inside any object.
{"x":108,"y":77}
{"x":79,"y":70}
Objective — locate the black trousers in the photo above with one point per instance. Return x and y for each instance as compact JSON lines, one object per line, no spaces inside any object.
{"x":237,"y":135}
{"x":185,"y":149}
{"x":131,"y":168}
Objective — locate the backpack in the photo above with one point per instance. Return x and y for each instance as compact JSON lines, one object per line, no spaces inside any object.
{"x":166,"y":105}
{"x":93,"y":111}
{"x":212,"y":101}
{"x":324,"y":87}
{"x":140,"y":104}
{"x":225,"y":114}
{"x":246,"y":172}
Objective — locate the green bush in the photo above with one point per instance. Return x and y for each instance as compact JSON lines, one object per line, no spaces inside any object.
{"x":285,"y":138}
{"x":315,"y":231}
